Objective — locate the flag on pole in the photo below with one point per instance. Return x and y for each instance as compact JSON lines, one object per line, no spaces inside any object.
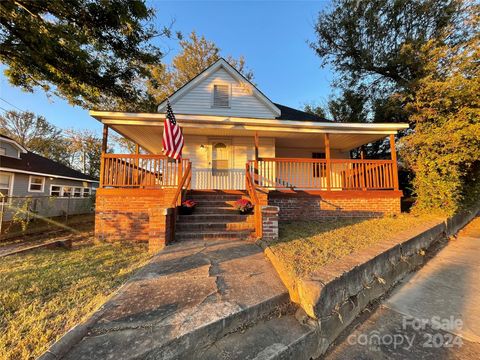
{"x":172,"y":136}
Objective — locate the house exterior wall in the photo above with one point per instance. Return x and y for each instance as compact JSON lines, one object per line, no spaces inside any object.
{"x":243,"y":103}
{"x":315,"y":205}
{"x":241,"y":149}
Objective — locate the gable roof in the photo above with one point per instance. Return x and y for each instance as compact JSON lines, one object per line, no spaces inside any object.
{"x":289,"y":113}
{"x":220,"y":63}
{"x":30,"y":162}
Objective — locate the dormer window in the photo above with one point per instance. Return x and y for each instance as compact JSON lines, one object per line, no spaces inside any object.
{"x":221,"y":96}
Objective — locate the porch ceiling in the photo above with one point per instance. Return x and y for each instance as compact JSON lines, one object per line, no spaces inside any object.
{"x":146,"y":129}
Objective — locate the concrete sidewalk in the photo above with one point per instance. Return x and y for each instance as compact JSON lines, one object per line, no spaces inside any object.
{"x":433,"y":314}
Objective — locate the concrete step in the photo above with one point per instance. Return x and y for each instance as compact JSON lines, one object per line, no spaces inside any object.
{"x":210,"y":218}
{"x":213,"y":226}
{"x":212,"y":235}
{"x":276,"y":338}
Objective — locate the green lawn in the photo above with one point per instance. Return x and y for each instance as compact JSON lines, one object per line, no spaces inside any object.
{"x":305,"y":246}
{"x":46,"y":292}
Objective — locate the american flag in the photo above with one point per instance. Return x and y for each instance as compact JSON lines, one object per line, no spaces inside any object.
{"x":172,"y":136}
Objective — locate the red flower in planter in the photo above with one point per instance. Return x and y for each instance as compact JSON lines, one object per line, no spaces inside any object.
{"x":243,"y":205}
{"x":189,"y":203}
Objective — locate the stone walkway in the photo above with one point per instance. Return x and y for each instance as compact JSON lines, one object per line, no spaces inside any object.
{"x":188,"y":296}
{"x":433,"y":314}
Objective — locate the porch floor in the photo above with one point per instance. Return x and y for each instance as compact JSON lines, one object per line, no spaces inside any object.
{"x":189,"y":295}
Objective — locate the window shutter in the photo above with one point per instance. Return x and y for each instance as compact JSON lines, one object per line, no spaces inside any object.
{"x":221,"y":96}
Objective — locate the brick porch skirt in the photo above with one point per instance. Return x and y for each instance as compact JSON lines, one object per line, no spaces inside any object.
{"x":136,"y":215}
{"x":310,"y":205}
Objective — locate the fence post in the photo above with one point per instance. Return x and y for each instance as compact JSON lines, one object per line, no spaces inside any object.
{"x":2,"y":209}
{"x":68,"y":208}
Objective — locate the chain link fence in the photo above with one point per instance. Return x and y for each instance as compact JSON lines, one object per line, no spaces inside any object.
{"x":25,"y":214}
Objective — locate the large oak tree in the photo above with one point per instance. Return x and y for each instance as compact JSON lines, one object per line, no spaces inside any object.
{"x":92,"y":53}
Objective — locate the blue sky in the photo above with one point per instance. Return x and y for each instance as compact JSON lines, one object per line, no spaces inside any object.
{"x":272,"y":35}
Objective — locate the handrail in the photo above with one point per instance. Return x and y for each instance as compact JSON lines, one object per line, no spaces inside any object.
{"x":187,"y":176}
{"x":252,"y":193}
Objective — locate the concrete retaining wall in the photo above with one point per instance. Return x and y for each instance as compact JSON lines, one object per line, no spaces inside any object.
{"x":336,"y":295}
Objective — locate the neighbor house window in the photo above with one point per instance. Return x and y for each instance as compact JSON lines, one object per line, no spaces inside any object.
{"x":86,"y":192}
{"x":67,"y":191}
{"x":77,"y":192}
{"x":221,"y":96}
{"x":6,"y":185}
{"x":55,"y":190}
{"x":36,"y":184}
{"x":3,"y":151}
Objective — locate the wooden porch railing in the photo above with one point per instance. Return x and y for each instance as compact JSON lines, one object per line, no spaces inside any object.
{"x":140,"y":171}
{"x":338,"y":174}
{"x":183,"y":185}
{"x":252,"y":193}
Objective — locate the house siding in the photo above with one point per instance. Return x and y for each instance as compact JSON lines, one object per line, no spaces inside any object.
{"x":243,"y":103}
{"x":242,"y":149}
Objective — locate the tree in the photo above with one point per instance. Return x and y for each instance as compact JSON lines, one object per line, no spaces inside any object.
{"x":196,"y":54}
{"x":85,"y":151}
{"x":444,"y":149}
{"x":315,"y":109}
{"x":377,"y":42}
{"x":92,"y":53}
{"x":35,"y":133}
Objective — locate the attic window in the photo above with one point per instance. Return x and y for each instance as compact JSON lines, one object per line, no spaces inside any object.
{"x":221,"y":96}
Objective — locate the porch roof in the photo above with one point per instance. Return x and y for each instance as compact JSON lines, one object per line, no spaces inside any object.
{"x":146,"y":129}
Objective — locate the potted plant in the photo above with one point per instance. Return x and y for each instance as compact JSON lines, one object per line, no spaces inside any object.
{"x":187,"y":207}
{"x":244,"y":206}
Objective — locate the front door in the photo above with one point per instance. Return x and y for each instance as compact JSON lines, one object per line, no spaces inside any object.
{"x":220,"y":164}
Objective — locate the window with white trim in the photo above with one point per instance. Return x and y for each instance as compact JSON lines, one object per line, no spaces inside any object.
{"x":55,"y":190}
{"x":86,"y":192}
{"x":77,"y":192}
{"x":67,"y":191}
{"x":3,"y":151}
{"x":221,"y":96}
{"x":6,"y":185}
{"x":36,"y":184}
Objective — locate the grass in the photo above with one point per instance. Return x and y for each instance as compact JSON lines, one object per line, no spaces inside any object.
{"x":12,"y":233}
{"x":46,"y":292}
{"x":306,"y":246}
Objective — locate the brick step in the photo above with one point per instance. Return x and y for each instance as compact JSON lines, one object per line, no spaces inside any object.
{"x":216,"y":210}
{"x":195,"y":217}
{"x":213,"y":226}
{"x":216,"y":192}
{"x":212,"y":235}
{"x":201,"y":198}
{"x":216,"y":203}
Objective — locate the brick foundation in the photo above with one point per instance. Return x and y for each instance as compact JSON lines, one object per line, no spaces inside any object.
{"x":310,"y":205}
{"x":137,"y":215}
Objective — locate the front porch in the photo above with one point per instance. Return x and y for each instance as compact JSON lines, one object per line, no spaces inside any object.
{"x":304,"y":169}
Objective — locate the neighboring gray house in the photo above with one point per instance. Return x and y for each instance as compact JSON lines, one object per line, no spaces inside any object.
{"x":51,"y":188}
